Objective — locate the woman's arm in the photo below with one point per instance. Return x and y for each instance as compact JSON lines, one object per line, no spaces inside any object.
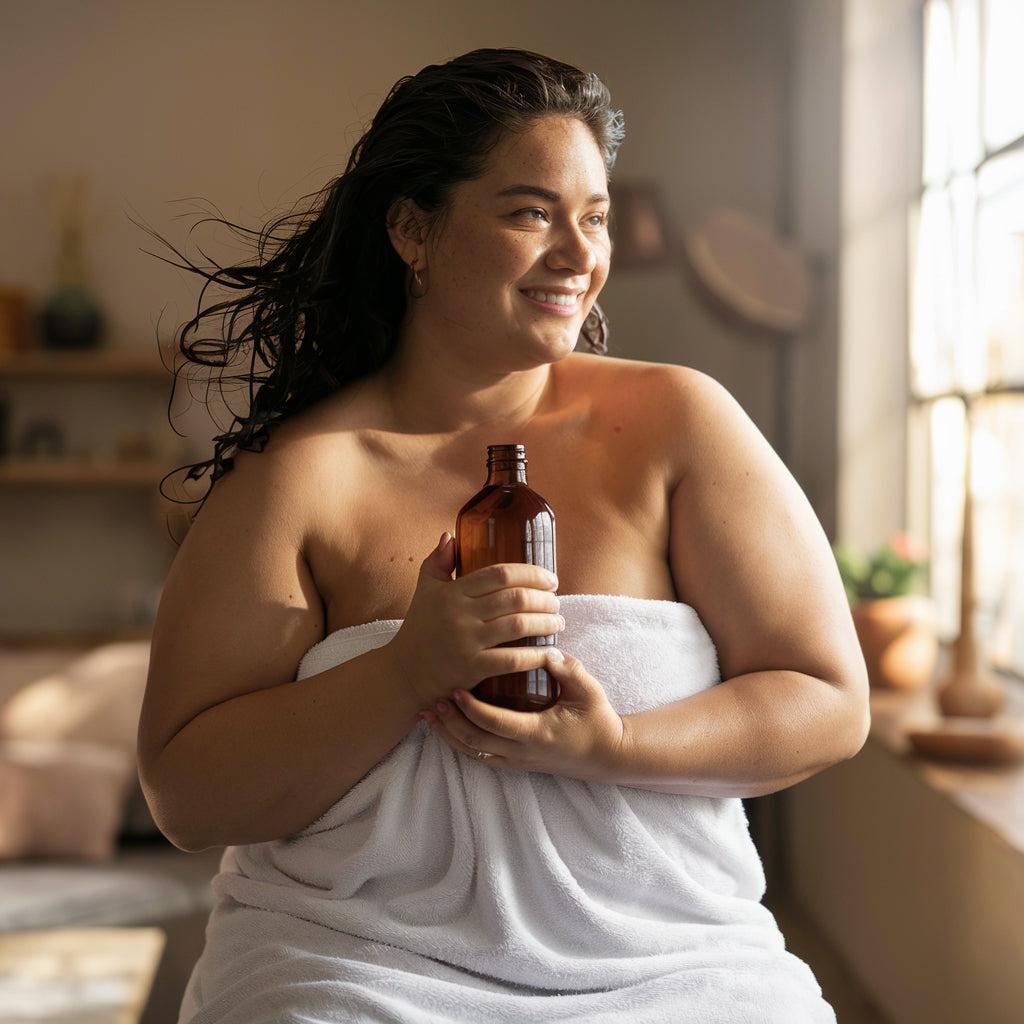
{"x":264,"y":765}
{"x":749,"y":555}
{"x":231,"y":749}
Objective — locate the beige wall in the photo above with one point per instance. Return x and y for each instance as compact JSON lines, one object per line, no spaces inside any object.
{"x":812,"y":218}
{"x":249,"y":106}
{"x":881,"y":167}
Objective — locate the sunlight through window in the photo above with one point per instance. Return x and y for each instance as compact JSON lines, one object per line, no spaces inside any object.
{"x":966,"y":318}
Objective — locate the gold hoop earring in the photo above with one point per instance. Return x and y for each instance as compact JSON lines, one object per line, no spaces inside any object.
{"x":595,"y":330}
{"x":419,"y":283}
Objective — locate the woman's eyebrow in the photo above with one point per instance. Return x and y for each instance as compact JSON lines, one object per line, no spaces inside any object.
{"x":545,"y":193}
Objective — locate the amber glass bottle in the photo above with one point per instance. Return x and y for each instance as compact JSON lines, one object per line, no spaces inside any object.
{"x":507,"y":522}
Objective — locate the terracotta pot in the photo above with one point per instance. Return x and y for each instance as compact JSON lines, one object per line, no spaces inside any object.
{"x":898,"y":638}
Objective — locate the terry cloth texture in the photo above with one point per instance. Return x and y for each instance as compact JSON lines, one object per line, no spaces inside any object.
{"x":439,"y":890}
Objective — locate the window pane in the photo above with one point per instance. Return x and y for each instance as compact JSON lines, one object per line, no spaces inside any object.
{"x":947,"y":461}
{"x":966,"y":238}
{"x":938,"y":91}
{"x":1000,"y":277}
{"x":998,"y":488}
{"x":945,"y":340}
{"x":932,"y":311}
{"x":919,"y":477}
{"x":968,"y":350}
{"x":967,"y":148}
{"x":1003,"y":116}
{"x":1001,"y":172}
{"x":952,"y":130}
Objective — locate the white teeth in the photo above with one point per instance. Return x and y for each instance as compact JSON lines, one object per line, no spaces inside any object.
{"x":558,"y":300}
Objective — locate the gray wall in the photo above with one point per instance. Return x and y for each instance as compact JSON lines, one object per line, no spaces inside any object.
{"x":251,"y":105}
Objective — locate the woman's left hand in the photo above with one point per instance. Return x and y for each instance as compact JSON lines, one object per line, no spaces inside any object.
{"x":580,"y":736}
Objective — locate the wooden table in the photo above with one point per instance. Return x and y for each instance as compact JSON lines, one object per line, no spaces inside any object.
{"x":77,"y":975}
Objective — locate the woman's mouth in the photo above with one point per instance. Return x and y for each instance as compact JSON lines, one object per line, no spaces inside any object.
{"x":561,"y":308}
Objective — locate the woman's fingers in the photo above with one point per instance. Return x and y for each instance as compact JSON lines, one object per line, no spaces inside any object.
{"x":458,"y":732}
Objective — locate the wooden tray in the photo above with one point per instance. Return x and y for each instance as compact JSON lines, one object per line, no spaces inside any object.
{"x":971,"y":740}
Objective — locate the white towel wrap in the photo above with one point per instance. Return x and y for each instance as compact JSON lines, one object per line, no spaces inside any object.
{"x":440,"y":889}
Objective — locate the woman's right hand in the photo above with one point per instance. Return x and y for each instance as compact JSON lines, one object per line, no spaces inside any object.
{"x":450,"y":634}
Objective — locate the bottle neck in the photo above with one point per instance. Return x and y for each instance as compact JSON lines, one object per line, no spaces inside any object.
{"x":506,"y":471}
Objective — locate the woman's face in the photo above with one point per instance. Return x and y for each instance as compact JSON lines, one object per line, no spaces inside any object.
{"x":493,"y":247}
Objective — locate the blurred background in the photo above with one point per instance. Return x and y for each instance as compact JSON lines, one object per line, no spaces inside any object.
{"x":820,"y":203}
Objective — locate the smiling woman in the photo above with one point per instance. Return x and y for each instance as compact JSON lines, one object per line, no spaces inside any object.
{"x":335,"y":286}
{"x":377,"y":867}
{"x":493,"y":277}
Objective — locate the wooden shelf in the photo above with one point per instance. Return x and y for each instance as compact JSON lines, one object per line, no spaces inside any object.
{"x":95,"y":364}
{"x":53,"y":472}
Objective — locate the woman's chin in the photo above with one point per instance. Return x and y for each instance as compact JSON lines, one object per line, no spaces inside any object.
{"x":557,"y":333}
{"x":559,"y":347}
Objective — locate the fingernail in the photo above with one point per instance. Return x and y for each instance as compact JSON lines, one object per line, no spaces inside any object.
{"x":442,"y":707}
{"x":556,"y":655}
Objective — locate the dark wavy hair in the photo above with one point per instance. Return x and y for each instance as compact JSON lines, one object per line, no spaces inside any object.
{"x":327,"y":300}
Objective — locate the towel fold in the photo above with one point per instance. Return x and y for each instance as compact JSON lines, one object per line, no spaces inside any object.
{"x":440,"y":890}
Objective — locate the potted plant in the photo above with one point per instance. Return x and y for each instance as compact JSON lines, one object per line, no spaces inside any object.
{"x":894,"y":620}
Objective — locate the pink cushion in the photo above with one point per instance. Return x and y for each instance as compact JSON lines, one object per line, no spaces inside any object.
{"x":94,"y":698}
{"x":61,"y":798}
{"x":67,"y":753}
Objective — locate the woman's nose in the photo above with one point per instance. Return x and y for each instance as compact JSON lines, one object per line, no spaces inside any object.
{"x":575,"y":251}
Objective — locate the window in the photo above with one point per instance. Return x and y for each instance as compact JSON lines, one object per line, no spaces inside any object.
{"x":967,"y":314}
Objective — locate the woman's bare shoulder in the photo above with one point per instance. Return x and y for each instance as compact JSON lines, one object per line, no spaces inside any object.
{"x":311,"y":440}
{"x":623,"y":385}
{"x":614,"y":367}
{"x":660,"y":402}
{"x":692,"y":407}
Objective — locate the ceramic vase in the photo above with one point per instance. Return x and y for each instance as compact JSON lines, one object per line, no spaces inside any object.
{"x":898,"y":638}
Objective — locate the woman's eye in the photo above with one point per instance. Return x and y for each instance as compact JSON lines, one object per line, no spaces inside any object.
{"x":600,"y":218}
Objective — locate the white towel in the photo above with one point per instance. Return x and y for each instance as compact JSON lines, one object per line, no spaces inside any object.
{"x":441,"y":890}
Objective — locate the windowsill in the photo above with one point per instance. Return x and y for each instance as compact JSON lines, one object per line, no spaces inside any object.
{"x":993,"y":794}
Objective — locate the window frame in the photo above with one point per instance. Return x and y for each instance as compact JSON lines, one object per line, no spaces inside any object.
{"x":920,"y":402}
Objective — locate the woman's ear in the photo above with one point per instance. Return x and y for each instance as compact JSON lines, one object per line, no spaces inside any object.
{"x":406,"y":225}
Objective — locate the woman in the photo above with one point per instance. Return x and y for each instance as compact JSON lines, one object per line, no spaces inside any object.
{"x":395,"y":849}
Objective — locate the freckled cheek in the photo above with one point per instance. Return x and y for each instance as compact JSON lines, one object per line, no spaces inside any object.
{"x":483,"y":261}
{"x":478,"y":287}
{"x":496,"y":277}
